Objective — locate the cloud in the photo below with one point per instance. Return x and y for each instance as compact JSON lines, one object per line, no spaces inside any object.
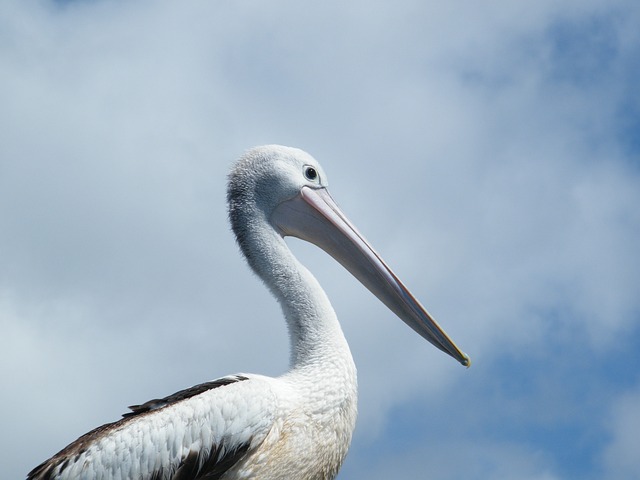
{"x":619,"y":455}
{"x":445,"y":460}
{"x":488,"y":151}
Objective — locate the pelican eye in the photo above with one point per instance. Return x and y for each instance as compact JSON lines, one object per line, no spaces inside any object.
{"x":311,"y":173}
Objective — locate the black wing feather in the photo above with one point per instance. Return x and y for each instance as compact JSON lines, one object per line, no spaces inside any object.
{"x":213,"y":467}
{"x":157,"y":403}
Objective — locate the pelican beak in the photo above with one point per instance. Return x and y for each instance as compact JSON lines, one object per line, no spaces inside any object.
{"x":313,"y":215}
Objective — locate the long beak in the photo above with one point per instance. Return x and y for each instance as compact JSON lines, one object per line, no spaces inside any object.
{"x":314,"y":216}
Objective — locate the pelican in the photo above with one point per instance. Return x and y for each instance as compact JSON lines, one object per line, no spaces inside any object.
{"x":298,"y":425}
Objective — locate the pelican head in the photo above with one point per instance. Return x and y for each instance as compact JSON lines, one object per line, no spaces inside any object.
{"x":286,"y":189}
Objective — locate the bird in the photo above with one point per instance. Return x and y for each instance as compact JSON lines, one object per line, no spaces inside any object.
{"x":295,"y":426}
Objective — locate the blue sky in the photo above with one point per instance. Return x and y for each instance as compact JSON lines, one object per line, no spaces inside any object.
{"x":489,"y":150}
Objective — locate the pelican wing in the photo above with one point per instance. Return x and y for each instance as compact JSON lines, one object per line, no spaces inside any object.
{"x":200,"y":432}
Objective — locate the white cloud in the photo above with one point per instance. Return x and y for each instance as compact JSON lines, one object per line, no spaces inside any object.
{"x":621,"y":453}
{"x":444,"y":460}
{"x":462,"y":139}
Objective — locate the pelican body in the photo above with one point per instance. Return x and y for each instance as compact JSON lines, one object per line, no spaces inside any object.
{"x":298,"y":425}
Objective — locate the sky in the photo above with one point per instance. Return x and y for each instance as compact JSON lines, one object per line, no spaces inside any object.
{"x":490,"y":151}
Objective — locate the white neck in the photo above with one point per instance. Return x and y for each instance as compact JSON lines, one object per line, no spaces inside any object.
{"x":316,"y":338}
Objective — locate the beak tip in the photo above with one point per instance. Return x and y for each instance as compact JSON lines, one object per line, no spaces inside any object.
{"x":466,"y":361}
